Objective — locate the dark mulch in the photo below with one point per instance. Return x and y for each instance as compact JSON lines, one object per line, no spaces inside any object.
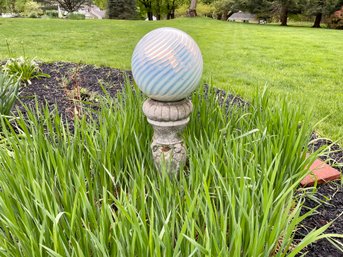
{"x":330,"y":202}
{"x":68,"y":84}
{"x":70,"y":81}
{"x":334,"y":155}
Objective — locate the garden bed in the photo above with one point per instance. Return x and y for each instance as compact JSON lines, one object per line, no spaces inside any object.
{"x":70,"y":84}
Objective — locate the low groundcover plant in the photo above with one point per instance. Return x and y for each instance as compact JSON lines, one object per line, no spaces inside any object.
{"x":91,"y":189}
{"x":24,"y":69}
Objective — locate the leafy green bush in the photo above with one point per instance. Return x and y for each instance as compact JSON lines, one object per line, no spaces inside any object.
{"x":23,"y":68}
{"x":33,"y":15}
{"x":202,"y":10}
{"x":9,"y":87}
{"x":32,"y":9}
{"x":51,"y":13}
{"x":76,"y":16}
{"x":93,"y":190}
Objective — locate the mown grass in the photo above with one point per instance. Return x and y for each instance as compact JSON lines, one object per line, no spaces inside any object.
{"x":93,"y":190}
{"x":303,"y":63}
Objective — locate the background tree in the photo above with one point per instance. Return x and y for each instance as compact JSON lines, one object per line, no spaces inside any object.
{"x":320,"y":8}
{"x":157,"y":9}
{"x":225,"y":8}
{"x":102,"y":4}
{"x":14,"y":6}
{"x":264,"y":9}
{"x":269,"y":8}
{"x":192,"y":10}
{"x":208,"y":1}
{"x":3,"y":6}
{"x":45,"y":2}
{"x":283,"y":6}
{"x":147,"y":6}
{"x":171,"y":6}
{"x":71,"y":5}
{"x":121,"y":9}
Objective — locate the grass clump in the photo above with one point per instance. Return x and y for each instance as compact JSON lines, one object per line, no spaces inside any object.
{"x":9,"y":87}
{"x":93,"y":190}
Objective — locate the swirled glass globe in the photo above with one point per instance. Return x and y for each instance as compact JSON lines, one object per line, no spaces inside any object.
{"x":167,"y":64}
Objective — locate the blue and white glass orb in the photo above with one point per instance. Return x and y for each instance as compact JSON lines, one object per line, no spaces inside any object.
{"x":167,"y":64}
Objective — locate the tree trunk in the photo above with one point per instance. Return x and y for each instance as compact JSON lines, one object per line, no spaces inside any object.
{"x":317,"y":20}
{"x":150,"y":15}
{"x":168,"y":11}
{"x":284,"y":15}
{"x":172,"y":14}
{"x":174,"y":5}
{"x":172,"y":11}
{"x":158,"y":10}
{"x":192,"y":12}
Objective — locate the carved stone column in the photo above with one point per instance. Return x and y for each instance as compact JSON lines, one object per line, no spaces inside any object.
{"x":167,"y":66}
{"x":168,"y":120}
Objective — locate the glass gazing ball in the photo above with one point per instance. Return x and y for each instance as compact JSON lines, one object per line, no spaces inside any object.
{"x":167,"y":64}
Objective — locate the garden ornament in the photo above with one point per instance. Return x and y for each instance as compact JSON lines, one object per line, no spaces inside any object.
{"x":167,"y":66}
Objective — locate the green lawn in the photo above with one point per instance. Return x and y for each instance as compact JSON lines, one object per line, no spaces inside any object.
{"x":303,"y":63}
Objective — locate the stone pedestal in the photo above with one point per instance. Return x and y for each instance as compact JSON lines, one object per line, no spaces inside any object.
{"x":168,"y":120}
